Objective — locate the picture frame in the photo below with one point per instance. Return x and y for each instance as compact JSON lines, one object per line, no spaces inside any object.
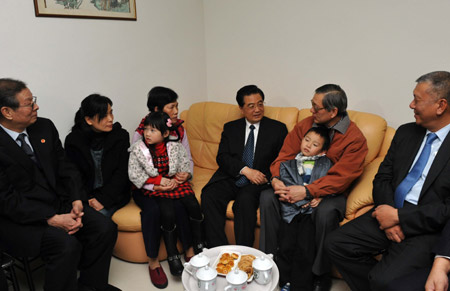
{"x":101,"y":9}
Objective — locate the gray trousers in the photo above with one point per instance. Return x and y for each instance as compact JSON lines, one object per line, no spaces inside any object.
{"x":326,"y":218}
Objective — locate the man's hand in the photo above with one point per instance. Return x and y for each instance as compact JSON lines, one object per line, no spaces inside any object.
{"x":67,"y":222}
{"x":77,"y":208}
{"x":438,"y":278}
{"x":395,"y":233}
{"x":254,"y":176}
{"x":182,"y":177}
{"x":280,"y":189}
{"x":94,"y":203}
{"x":296,"y":193}
{"x":386,"y":215}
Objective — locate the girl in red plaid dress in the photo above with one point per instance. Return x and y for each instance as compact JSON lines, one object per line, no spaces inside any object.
{"x":157,"y":160}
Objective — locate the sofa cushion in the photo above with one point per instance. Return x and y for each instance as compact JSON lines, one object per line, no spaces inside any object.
{"x":128,"y":218}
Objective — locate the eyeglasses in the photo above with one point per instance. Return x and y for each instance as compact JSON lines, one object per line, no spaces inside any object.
{"x":33,"y":102}
{"x":252,"y":106}
{"x":315,"y":107}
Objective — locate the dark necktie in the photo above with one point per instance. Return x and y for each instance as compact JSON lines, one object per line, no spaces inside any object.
{"x":247,"y":156}
{"x":25,"y":147}
{"x":415,"y":173}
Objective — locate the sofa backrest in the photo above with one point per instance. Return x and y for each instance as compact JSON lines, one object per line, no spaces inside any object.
{"x":204,"y":123}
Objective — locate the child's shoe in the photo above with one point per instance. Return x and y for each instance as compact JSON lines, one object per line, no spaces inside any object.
{"x":158,"y":277}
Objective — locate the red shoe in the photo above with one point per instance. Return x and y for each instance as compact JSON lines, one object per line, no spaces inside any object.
{"x":187,"y":259}
{"x":158,"y":277}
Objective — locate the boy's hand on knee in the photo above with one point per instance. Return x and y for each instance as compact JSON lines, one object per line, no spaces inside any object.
{"x":315,"y":202}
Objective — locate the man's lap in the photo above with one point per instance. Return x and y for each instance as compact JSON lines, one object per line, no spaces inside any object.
{"x":362,"y":238}
{"x":229,"y":191}
{"x":26,"y":240}
{"x":331,"y":207}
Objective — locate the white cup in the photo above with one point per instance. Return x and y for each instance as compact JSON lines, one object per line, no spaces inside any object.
{"x":237,"y":280}
{"x":197,"y":262}
{"x":206,"y":279}
{"x":262,"y":270}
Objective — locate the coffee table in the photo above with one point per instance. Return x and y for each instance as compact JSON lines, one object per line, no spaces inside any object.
{"x":190,"y":284}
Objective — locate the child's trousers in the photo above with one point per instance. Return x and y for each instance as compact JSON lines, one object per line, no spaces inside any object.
{"x":296,"y":252}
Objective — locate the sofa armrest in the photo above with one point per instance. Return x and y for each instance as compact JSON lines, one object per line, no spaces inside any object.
{"x":360,"y":198}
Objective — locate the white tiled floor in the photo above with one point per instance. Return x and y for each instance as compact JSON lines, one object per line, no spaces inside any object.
{"x":134,"y":277}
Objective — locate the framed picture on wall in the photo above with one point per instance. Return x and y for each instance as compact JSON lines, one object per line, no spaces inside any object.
{"x":107,"y":9}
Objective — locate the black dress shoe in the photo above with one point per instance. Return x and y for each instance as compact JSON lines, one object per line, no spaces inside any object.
{"x":175,"y":265}
{"x":322,"y":283}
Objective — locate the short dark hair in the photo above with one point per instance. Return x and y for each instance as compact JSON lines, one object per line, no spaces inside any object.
{"x":9,"y":88}
{"x":158,"y":97}
{"x":91,"y":106}
{"x":440,"y":83}
{"x":158,"y":120}
{"x":324,"y":133}
{"x":245,"y":91}
{"x":334,"y":97}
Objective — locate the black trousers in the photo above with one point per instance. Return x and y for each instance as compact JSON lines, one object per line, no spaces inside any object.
{"x":353,"y":246}
{"x":3,"y":283}
{"x":296,"y":254}
{"x":168,"y":211}
{"x":412,"y":282}
{"x":326,"y":218}
{"x":151,"y":223}
{"x":88,"y":250}
{"x":215,"y":198}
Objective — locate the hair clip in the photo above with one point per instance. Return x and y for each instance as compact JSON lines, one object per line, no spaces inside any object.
{"x":169,"y":122}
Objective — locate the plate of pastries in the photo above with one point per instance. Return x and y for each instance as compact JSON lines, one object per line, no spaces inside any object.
{"x":245,"y":264}
{"x":226,"y":262}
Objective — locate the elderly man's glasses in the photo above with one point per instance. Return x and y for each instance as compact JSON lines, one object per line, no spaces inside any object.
{"x":315,"y":107}
{"x":33,"y":102}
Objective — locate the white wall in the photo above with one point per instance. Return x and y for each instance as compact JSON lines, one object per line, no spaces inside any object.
{"x":64,"y":59}
{"x":374,"y":49}
{"x":207,"y":50}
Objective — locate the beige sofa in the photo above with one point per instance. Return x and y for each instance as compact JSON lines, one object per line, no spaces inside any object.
{"x":204,"y":123}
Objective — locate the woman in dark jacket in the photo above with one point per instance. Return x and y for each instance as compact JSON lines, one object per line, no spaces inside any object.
{"x":99,"y":148}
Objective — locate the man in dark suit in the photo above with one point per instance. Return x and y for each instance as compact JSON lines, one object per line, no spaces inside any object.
{"x":411,"y":192}
{"x":247,"y":147}
{"x":41,"y":208}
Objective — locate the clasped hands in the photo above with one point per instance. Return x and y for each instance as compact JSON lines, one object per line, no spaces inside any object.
{"x":69,"y":222}
{"x":387,"y":217}
{"x":289,"y":194}
{"x":292,"y":194}
{"x":168,"y":184}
